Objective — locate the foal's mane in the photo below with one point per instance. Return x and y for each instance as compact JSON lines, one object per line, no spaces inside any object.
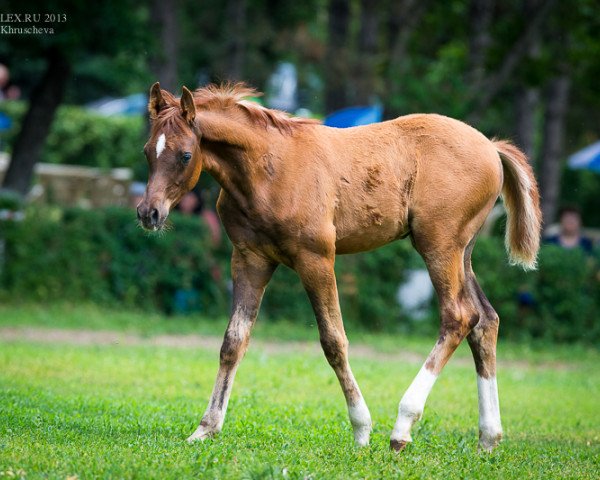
{"x":228,"y":96}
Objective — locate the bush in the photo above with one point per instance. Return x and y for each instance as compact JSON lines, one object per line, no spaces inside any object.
{"x":560,"y":301}
{"x":81,"y":137}
{"x":103,"y":256}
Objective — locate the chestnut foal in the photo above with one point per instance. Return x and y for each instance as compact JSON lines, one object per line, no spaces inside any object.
{"x":297,"y":193}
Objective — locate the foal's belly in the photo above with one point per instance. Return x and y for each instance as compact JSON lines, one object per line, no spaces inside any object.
{"x":372,"y":231}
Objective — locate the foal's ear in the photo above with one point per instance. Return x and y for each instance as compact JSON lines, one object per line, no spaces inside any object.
{"x":188,"y":109}
{"x":156,"y":102}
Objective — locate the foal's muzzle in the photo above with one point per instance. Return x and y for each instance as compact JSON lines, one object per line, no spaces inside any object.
{"x":150,"y":217}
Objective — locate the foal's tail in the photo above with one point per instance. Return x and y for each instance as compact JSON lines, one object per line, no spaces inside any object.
{"x":522,"y":202}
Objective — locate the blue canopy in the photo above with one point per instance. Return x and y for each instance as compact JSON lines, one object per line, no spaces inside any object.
{"x":5,"y":121}
{"x":588,"y":158}
{"x":354,"y":116}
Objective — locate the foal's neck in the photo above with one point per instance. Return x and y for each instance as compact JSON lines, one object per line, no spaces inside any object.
{"x":230,"y":147}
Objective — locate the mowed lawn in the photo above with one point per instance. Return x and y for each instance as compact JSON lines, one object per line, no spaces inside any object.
{"x":70,"y":410}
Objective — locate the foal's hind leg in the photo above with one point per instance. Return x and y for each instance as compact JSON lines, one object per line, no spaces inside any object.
{"x":251,"y":274}
{"x":318,"y":276}
{"x":458,"y":317}
{"x":482,"y":341}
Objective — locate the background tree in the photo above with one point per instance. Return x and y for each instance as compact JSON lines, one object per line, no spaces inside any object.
{"x":337,"y":59}
{"x":45,"y":99}
{"x":165,"y":55}
{"x":527,"y":95}
{"x":366,"y":82}
{"x":494,"y":64}
{"x":236,"y":44}
{"x":115,"y":26}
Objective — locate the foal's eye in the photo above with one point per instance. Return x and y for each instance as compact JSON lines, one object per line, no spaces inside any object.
{"x":186,"y":157}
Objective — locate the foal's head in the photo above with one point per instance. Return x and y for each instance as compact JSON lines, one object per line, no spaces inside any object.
{"x":173,"y":154}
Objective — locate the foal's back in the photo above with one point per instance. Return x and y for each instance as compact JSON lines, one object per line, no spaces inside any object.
{"x":383,"y":176}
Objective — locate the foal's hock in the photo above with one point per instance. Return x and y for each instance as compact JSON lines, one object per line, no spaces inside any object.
{"x":297,"y":193}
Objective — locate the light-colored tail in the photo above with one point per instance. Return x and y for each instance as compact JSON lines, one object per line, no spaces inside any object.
{"x":522,"y":202}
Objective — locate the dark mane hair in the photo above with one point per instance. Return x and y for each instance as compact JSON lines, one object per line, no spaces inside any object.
{"x":229,"y":95}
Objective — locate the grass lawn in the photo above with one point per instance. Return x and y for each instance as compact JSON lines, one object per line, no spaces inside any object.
{"x":116,"y":411}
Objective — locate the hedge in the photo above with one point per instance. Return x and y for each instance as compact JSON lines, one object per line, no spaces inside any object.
{"x":81,"y":137}
{"x":103,"y":256}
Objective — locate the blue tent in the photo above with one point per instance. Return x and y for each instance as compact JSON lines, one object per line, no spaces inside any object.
{"x":588,"y":158}
{"x":354,"y":116}
{"x":5,"y":121}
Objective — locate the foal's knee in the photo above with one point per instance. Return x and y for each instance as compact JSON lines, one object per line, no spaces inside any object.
{"x":489,"y":321}
{"x":457,"y":321}
{"x":335,"y":347}
{"x":232,"y":349}
{"x":486,"y":328}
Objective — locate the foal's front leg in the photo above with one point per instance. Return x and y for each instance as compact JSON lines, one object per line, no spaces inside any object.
{"x":250,"y":273}
{"x":318,"y":277}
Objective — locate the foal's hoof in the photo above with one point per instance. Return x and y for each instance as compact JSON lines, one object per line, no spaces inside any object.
{"x":362,"y":435}
{"x":398,"y":445}
{"x":201,"y":433}
{"x":487,"y":443}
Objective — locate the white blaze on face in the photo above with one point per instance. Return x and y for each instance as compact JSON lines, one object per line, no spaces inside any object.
{"x":160,"y":144}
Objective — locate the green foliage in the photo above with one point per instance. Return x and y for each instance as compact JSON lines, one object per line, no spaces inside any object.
{"x":10,"y":201}
{"x":105,"y":43}
{"x":563,"y":294}
{"x":104,"y":257}
{"x":581,"y":187}
{"x":82,"y":137}
{"x":15,"y":110}
{"x":568,"y":295}
{"x":85,"y":138}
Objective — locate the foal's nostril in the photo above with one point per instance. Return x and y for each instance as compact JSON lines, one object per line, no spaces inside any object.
{"x":139,"y":215}
{"x":154,"y":216}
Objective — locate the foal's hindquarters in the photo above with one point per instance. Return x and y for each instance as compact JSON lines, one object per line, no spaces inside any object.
{"x":454,"y":191}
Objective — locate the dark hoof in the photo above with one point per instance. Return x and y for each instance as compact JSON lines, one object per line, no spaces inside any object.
{"x":397,"y":445}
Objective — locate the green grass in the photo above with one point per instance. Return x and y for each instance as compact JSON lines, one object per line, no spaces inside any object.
{"x":124,"y":412}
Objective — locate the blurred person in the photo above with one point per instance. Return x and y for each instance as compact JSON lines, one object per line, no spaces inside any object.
{"x":4,"y":79}
{"x":187,"y":300}
{"x":7,"y":90}
{"x":570,"y":235}
{"x":193,"y":204}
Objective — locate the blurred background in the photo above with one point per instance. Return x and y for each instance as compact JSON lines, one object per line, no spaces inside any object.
{"x":73,"y":95}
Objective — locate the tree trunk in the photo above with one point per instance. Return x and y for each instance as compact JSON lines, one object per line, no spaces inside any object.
{"x":528,"y":96}
{"x":527,"y":99}
{"x":368,"y":49}
{"x":557,"y":103}
{"x":403,"y":18}
{"x":493,"y":84}
{"x":236,"y":42}
{"x":480,"y":18}
{"x":337,"y":62}
{"x":44,"y":101}
{"x":164,"y":63}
